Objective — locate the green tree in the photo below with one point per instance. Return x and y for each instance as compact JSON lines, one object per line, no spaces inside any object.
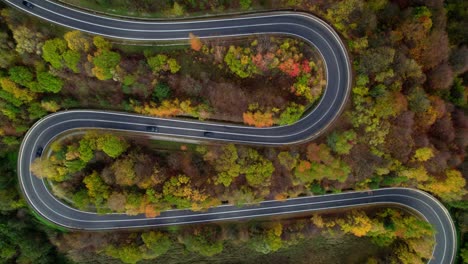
{"x":157,"y":62}
{"x":21,"y":75}
{"x":464,"y":254}
{"x":240,"y":62}
{"x":177,"y":10}
{"x":377,"y":60}
{"x":7,"y":251}
{"x":269,"y":240}
{"x":291,"y":114}
{"x":206,"y":243}
{"x":342,"y":143}
{"x":11,"y":199}
{"x":11,"y":141}
{"x":107,"y":59}
{"x":418,"y":100}
{"x":15,"y":92}
{"x":86,"y":149}
{"x":112,"y":145}
{"x":98,"y":190}
{"x":133,"y":203}
{"x":227,"y":165}
{"x":7,"y":54}
{"x":458,"y":93}
{"x":158,"y":242}
{"x":320,"y":164}
{"x":130,"y":253}
{"x":105,"y":62}
{"x":47,"y":83}
{"x":410,"y":227}
{"x":340,"y":13}
{"x":53,"y":50}
{"x":72,"y":59}
{"x":245,"y":4}
{"x":22,"y":243}
{"x":10,"y":98}
{"x":36,"y":111}
{"x":389,"y":104}
{"x":81,"y":200}
{"x":75,"y":165}
{"x":7,"y":109}
{"x":302,"y":87}
{"x":257,"y":169}
{"x":162,"y":62}
{"x":161,"y":92}
{"x":288,"y":160}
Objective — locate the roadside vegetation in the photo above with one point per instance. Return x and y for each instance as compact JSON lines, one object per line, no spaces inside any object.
{"x":405,"y":125}
{"x":113,"y":174}
{"x":384,"y":235}
{"x":256,"y":81}
{"x":178,"y":9}
{"x":108,"y":173}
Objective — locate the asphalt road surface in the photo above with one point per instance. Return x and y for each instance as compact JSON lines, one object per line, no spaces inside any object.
{"x":304,"y":26}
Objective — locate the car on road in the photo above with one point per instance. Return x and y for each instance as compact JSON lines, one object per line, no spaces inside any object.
{"x":39,"y":152}
{"x":208,"y":134}
{"x":152,"y":129}
{"x":28,"y":4}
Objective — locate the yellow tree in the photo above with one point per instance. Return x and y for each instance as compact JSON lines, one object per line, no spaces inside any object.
{"x":21,"y":94}
{"x":423,"y":154}
{"x":179,"y":191}
{"x":166,"y":109}
{"x":48,"y":169}
{"x":451,"y":189}
{"x":318,"y":221}
{"x":76,"y":41}
{"x":407,"y":256}
{"x":356,"y":223}
{"x":419,"y":174}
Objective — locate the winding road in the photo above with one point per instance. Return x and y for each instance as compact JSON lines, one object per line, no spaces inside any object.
{"x":300,"y":25}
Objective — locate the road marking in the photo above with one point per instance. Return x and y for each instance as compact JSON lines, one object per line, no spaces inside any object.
{"x":206,"y":21}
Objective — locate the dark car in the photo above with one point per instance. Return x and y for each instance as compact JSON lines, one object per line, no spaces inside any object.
{"x":28,"y":4}
{"x":152,"y":129}
{"x":39,"y":151}
{"x":208,"y":134}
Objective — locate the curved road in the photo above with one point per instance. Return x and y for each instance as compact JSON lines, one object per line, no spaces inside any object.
{"x":307,"y":27}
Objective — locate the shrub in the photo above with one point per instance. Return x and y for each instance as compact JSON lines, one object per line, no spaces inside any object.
{"x":161,"y":92}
